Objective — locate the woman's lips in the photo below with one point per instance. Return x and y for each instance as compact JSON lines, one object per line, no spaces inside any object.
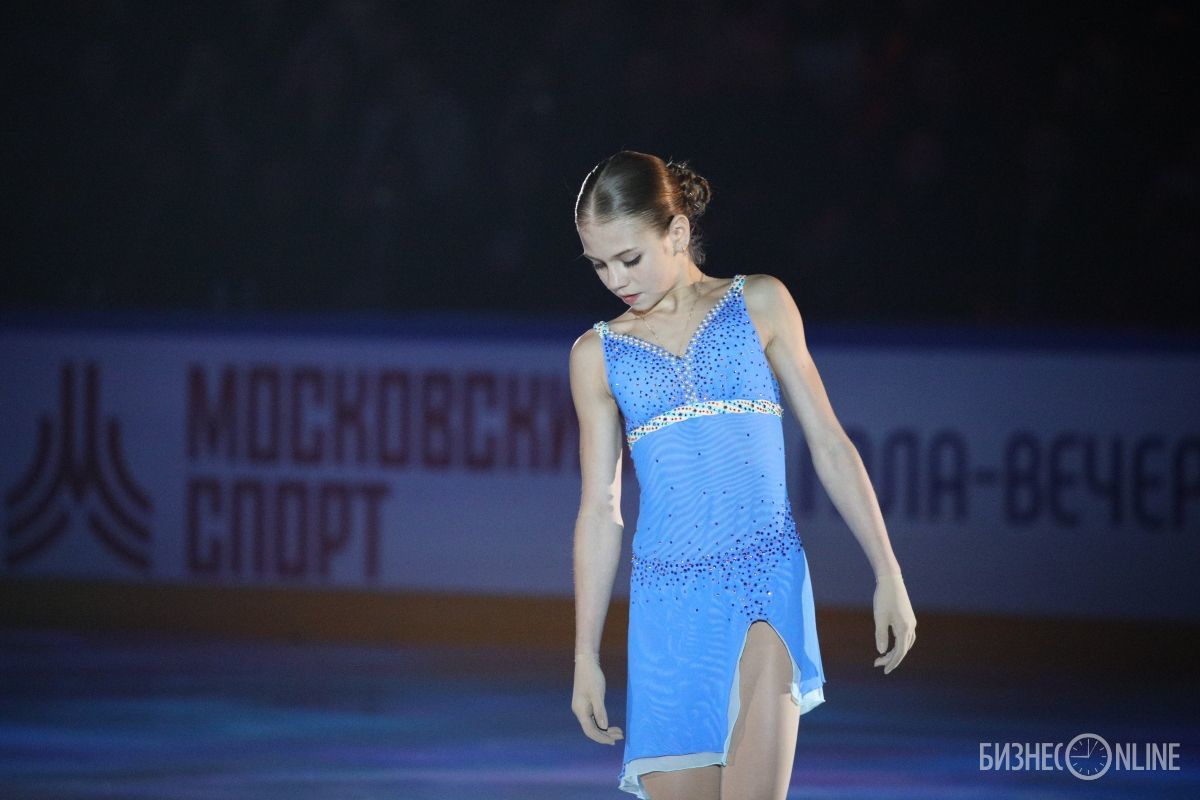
{"x":630,"y":298}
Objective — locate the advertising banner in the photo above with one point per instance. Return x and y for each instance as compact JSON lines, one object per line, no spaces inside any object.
{"x":1012,"y":480}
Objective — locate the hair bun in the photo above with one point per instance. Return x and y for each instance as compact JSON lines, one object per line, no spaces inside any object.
{"x":694,"y":187}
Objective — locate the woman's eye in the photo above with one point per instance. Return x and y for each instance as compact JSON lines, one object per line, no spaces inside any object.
{"x":634,"y":261}
{"x":597,"y":266}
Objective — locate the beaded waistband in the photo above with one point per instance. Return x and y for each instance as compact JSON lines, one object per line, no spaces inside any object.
{"x":704,"y":408}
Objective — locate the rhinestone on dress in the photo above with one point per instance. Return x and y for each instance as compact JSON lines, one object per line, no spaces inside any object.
{"x":656,"y":387}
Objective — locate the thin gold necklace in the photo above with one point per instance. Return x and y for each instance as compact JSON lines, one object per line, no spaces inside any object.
{"x":686,"y":325}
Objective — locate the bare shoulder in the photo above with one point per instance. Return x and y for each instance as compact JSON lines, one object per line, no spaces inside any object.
{"x":587,"y":363}
{"x":586,"y":348}
{"x":770,"y":304}
{"x":765,"y":292}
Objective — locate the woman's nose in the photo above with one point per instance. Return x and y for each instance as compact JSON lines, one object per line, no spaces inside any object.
{"x":615,"y":282}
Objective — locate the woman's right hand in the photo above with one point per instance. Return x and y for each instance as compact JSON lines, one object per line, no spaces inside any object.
{"x":587,"y":701}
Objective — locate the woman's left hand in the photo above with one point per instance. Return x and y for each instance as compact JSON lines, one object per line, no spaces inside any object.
{"x":892,"y":608}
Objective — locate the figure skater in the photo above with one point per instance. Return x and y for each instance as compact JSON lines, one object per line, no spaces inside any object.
{"x":723,"y":655}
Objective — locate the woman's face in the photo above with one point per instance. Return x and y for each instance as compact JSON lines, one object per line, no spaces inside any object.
{"x":632,"y":260}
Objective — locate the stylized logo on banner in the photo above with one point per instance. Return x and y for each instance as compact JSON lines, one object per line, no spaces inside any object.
{"x":82,"y":459}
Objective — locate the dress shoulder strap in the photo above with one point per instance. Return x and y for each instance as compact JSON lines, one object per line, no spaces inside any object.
{"x":601,"y":328}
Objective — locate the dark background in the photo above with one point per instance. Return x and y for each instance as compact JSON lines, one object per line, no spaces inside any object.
{"x":976,"y":164}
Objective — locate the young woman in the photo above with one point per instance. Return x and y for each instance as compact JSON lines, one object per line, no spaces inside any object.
{"x":723,"y":651}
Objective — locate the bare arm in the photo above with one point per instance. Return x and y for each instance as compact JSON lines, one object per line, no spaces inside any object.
{"x":836,"y":459}
{"x":598,"y":526}
{"x":598,"y":530}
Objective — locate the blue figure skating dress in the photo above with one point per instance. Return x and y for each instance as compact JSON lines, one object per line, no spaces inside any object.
{"x":716,"y":546}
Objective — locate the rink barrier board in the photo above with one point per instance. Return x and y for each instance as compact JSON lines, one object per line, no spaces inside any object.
{"x":1000,"y":647}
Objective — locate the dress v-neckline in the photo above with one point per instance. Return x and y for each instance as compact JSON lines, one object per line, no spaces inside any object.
{"x":695,"y":334}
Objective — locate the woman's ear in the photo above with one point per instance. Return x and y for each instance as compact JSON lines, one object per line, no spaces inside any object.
{"x":680,"y":232}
